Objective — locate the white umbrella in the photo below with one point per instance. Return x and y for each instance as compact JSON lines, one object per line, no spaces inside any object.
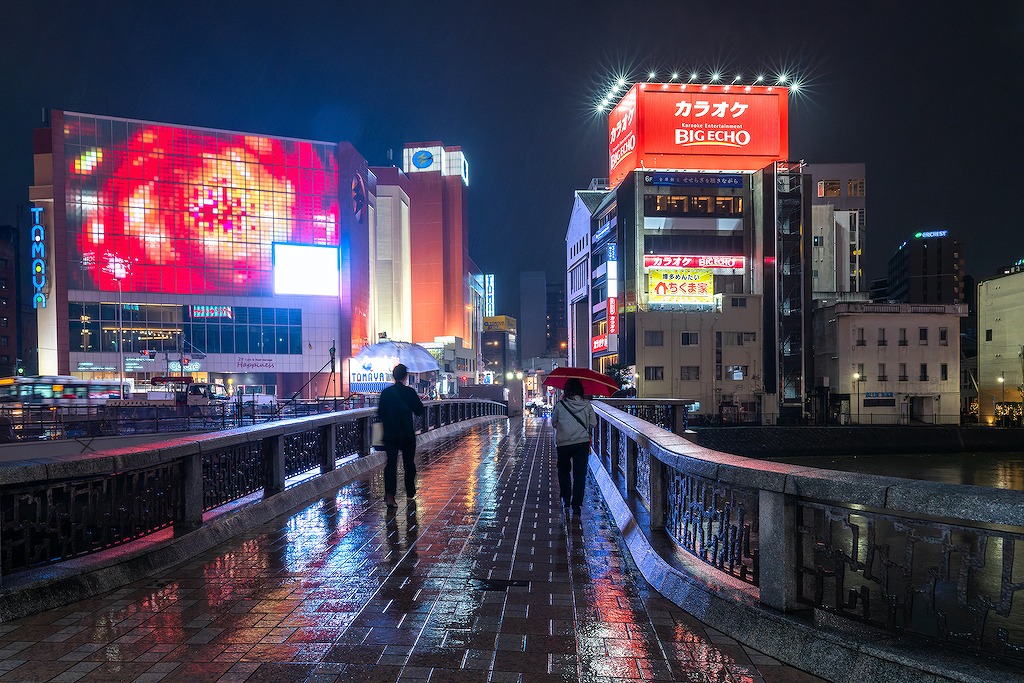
{"x":412,"y":356}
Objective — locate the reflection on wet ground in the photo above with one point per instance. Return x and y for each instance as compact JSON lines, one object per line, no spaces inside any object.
{"x":481,"y":578}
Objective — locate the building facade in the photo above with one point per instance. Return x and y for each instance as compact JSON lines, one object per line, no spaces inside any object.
{"x":838,"y":200}
{"x":1001,"y":347}
{"x":887,"y":363}
{"x":693,"y":260}
{"x":448,"y":289}
{"x":10,"y":337}
{"x":928,"y":268}
{"x":500,"y":347}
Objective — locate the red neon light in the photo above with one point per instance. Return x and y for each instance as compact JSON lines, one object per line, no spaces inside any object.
{"x":700,"y":128}
{"x":613,"y":315}
{"x":676,"y":261}
{"x":188,"y":211}
{"x":599,"y":343}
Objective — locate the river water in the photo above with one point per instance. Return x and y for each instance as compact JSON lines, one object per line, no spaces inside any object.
{"x":995,"y":470}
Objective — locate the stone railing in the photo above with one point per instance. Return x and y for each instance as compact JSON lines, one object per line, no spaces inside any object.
{"x":939,"y":561}
{"x":53,"y":509}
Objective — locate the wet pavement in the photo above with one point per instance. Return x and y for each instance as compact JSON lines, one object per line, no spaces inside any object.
{"x":480,"y":578}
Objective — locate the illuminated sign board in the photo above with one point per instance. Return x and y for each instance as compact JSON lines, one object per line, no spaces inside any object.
{"x":599,"y":343}
{"x":500,"y":323}
{"x":733,"y":180}
{"x":489,"y":295}
{"x":304,"y":270}
{"x":680,"y":286}
{"x":210,"y":312}
{"x":180,"y":210}
{"x":38,"y":254}
{"x":930,"y":234}
{"x":613,"y":315}
{"x":711,"y":262}
{"x":693,"y":127}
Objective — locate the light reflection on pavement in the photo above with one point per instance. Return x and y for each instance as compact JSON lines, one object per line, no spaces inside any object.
{"x":481,"y":578}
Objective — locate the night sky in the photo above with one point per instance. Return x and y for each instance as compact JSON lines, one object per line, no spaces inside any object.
{"x":929,"y":98}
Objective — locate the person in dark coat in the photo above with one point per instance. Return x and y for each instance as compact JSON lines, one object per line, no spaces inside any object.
{"x":395,"y":409}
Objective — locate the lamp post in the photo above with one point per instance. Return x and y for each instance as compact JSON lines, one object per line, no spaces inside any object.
{"x":1002,"y":400}
{"x":119,"y":273}
{"x":856,"y":383}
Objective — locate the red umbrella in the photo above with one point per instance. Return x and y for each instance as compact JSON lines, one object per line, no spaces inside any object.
{"x":594,"y":383}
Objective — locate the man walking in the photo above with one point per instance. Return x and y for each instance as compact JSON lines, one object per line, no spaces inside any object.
{"x":397,"y":405}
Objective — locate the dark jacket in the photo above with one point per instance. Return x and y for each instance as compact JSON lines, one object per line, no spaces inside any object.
{"x":395,"y":409}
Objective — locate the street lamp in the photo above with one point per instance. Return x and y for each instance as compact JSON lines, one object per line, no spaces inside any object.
{"x":1002,"y":400}
{"x":119,"y":273}
{"x":856,"y":382}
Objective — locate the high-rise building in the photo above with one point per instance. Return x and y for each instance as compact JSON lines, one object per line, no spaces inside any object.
{"x":838,"y":201}
{"x":533,"y":307}
{"x":554,"y":323}
{"x":693,"y":259}
{"x":500,"y":350}
{"x":391,"y":256}
{"x":447,"y":286}
{"x":928,"y":268}
{"x":232,"y":257}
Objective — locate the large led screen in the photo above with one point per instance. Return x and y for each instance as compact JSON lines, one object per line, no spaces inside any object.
{"x":190,"y":211}
{"x":311,"y":271}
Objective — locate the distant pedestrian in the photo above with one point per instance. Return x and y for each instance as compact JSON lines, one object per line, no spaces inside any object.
{"x":395,"y":409}
{"x":573,"y":418}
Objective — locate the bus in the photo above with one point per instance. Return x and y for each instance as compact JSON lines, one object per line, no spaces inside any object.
{"x":57,"y":390}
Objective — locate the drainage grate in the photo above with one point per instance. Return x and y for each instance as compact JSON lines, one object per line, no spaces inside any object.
{"x":498,"y":584}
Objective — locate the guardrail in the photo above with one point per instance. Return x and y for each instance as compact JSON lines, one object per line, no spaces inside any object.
{"x":931,"y":559}
{"x":53,"y":510}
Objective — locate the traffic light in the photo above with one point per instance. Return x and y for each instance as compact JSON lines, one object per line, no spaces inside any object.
{"x":464,"y":378}
{"x":185,"y":362}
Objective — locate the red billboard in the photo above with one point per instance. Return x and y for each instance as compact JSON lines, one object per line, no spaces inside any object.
{"x":684,"y":126}
{"x":185,"y":210}
{"x":680,"y":261}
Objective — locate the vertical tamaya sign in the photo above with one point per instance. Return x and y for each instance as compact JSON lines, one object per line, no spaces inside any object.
{"x":38,"y":254}
{"x":685,"y":126}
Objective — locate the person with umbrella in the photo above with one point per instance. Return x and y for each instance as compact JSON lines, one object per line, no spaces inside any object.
{"x":573,"y":419}
{"x":396,"y":406}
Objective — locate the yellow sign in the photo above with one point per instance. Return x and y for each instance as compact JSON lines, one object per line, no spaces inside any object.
{"x":500,"y":323}
{"x":680,"y":286}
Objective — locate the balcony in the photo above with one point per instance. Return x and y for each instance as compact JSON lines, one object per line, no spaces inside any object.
{"x":903,"y":342}
{"x":904,"y":378}
{"x":883,"y":342}
{"x":862,"y":342}
{"x":883,"y":378}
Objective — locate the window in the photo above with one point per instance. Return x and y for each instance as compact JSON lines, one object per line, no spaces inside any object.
{"x":690,"y":205}
{"x":688,"y":339}
{"x":903,"y":372}
{"x":828,"y":188}
{"x":3,"y":300}
{"x":654,"y":373}
{"x":988,"y":335}
{"x":860,"y":337}
{"x":736,"y":372}
{"x":944,"y":372}
{"x":689,"y":373}
{"x":4,"y":322}
{"x":855,"y":187}
{"x":922,"y":336}
{"x":5,"y":359}
{"x":654,"y":338}
{"x":903,"y":336}
{"x":881,"y":337}
{"x":943,"y":336}
{"x":3,"y":283}
{"x":861,"y":377}
{"x":739,"y":302}
{"x":924,"y":372}
{"x":881,"y":373}
{"x":5,"y":340}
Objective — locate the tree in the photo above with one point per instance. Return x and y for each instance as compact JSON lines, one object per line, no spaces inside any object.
{"x":622,"y":374}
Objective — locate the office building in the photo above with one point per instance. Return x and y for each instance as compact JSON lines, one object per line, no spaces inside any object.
{"x":928,"y":268}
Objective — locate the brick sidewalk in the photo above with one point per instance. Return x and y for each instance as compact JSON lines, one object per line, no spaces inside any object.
{"x":480,"y":579}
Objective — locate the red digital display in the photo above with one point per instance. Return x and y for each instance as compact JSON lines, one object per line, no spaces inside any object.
{"x":682,"y":126}
{"x":679,"y":261}
{"x":613,"y":315}
{"x":190,"y":211}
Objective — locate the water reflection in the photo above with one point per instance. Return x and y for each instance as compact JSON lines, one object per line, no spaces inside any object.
{"x":994,"y":470}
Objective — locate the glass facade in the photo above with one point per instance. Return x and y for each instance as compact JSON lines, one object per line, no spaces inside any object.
{"x":173,"y":327}
{"x":182,"y":210}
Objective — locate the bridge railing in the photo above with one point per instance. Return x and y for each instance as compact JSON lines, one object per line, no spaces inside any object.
{"x":936,"y":560}
{"x":54,"y":509}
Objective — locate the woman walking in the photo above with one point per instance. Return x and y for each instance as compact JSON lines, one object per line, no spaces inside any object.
{"x":573,"y":419}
